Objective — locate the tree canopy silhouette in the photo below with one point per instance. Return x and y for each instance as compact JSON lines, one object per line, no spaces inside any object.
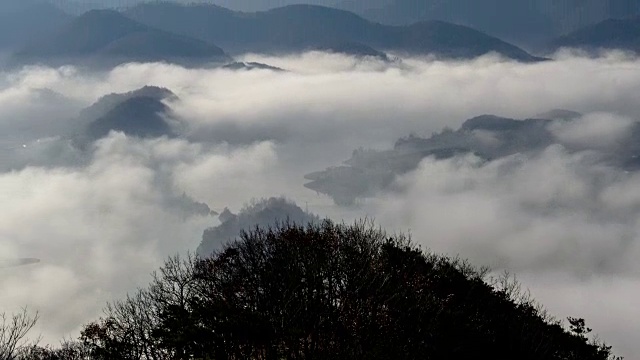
{"x":330,"y":291}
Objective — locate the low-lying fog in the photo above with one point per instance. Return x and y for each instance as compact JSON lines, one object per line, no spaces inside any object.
{"x":102,"y":217}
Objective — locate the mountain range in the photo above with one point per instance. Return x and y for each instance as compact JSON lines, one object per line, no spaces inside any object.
{"x":196,"y":34}
{"x":108,"y":37}
{"x":303,"y":27}
{"x":529,"y":23}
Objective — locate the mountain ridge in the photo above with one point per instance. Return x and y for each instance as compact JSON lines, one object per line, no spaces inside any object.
{"x":623,"y":34}
{"x":108,"y":37}
{"x":304,"y":27}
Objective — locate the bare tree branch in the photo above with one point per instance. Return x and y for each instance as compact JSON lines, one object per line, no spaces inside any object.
{"x":13,"y":330}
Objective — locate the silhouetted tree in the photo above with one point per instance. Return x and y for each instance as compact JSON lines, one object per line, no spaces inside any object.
{"x":68,"y":350}
{"x":328,"y":291}
{"x":13,"y":332}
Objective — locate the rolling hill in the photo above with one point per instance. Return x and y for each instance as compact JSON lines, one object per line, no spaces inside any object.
{"x":140,"y":113}
{"x":621,"y":34}
{"x":106,"y":37}
{"x":530,"y":23}
{"x":140,"y":116}
{"x":488,"y":137}
{"x":303,"y":27}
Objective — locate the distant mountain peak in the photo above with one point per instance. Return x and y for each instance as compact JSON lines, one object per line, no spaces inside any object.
{"x":239,"y":65}
{"x":353,"y":49}
{"x":139,"y":113}
{"x":109,"y":37}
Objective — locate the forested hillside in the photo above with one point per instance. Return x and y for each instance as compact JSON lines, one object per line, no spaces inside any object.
{"x":326,"y":291}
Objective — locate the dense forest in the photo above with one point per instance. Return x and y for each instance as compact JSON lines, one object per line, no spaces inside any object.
{"x":321,"y":291}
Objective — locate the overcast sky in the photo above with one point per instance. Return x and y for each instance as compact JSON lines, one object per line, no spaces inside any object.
{"x":101,"y":221}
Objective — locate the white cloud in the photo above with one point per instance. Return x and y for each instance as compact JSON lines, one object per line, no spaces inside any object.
{"x":563,"y":221}
{"x":536,"y":216}
{"x":595,"y":130}
{"x":99,"y":230}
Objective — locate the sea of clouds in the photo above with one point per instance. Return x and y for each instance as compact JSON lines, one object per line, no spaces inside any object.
{"x":101,"y":220}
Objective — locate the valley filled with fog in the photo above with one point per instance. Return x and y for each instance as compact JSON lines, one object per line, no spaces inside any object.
{"x":556,"y":203}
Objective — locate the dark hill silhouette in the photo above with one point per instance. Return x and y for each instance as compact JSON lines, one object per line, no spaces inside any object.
{"x":455,"y":41}
{"x":329,"y":291}
{"x":304,"y":27}
{"x":109,"y":102}
{"x":621,"y":34}
{"x":140,"y":113}
{"x":370,"y":171}
{"x":263,"y":213}
{"x":238,"y":65}
{"x":354,"y":49}
{"x":517,"y":21}
{"x":140,"y":116}
{"x":530,"y":23}
{"x":108,"y":37}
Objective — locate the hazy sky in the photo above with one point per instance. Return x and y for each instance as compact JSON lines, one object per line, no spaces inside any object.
{"x":102,"y":221}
